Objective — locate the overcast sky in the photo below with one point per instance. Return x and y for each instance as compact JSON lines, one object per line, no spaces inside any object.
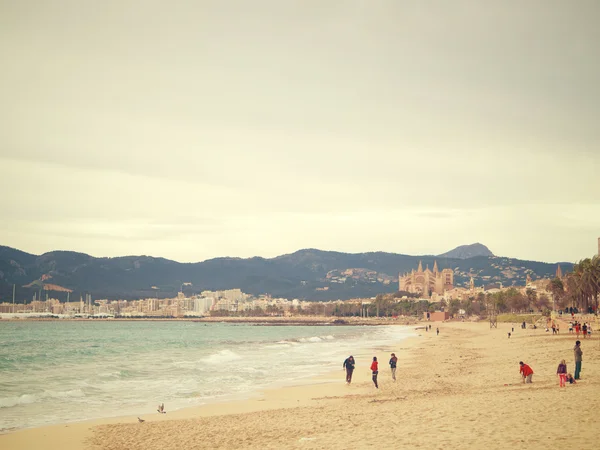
{"x":198,"y":129}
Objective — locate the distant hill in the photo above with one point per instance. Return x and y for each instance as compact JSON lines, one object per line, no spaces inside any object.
{"x":467,"y":251}
{"x":306,"y":274}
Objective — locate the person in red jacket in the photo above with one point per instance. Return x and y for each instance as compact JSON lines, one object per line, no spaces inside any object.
{"x":375,"y":370}
{"x":526,"y":372}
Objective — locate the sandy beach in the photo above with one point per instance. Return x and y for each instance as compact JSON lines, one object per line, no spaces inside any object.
{"x":460,"y":389}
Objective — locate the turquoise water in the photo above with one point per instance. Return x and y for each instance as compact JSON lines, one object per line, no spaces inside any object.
{"x":56,"y":372}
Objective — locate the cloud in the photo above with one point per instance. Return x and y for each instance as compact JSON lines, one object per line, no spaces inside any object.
{"x":404,"y":126}
{"x":436,"y":214}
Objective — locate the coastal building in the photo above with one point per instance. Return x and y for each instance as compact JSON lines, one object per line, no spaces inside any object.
{"x":460,"y":293}
{"x":436,"y":316}
{"x":7,"y":308}
{"x":203,"y":304}
{"x":426,"y":282}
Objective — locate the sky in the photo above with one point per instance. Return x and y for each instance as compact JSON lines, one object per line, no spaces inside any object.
{"x":198,"y":129}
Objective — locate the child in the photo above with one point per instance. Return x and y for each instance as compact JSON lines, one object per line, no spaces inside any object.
{"x":570,"y":379}
{"x":562,"y":373}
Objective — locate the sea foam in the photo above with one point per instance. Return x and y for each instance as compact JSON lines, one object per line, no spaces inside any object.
{"x":221,"y":357}
{"x":26,"y":399}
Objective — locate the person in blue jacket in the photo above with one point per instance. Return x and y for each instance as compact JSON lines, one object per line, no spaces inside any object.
{"x":349,"y":364}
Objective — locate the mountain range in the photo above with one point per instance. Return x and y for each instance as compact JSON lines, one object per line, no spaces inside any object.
{"x":309,"y":274}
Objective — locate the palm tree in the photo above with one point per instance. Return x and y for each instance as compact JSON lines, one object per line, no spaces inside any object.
{"x":595,"y":279}
{"x":383,"y":304}
{"x":596,"y":265}
{"x":589,"y":280}
{"x":542,"y":302}
{"x":531,"y":297}
{"x":583,"y":284}
{"x":572,"y":285}
{"x":557,"y":288}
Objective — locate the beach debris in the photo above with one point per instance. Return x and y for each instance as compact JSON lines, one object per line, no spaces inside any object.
{"x":161,"y":408}
{"x":307,"y":439}
{"x":141,"y":420}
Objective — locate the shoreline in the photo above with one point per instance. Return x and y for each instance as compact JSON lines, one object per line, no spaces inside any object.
{"x":265,"y":321}
{"x":460,"y":389}
{"x":20,"y":420}
{"x":300,"y":393}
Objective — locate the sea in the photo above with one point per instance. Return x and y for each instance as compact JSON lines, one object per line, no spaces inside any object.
{"x":67,"y":371}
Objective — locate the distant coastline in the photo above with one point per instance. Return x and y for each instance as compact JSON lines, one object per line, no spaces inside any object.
{"x":274,"y":321}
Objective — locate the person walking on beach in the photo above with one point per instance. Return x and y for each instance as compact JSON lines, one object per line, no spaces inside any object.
{"x":437,"y":331}
{"x":561,"y":371}
{"x":578,"y":357}
{"x":526,"y":372}
{"x":349,"y":364}
{"x":393,"y":362}
{"x":584,"y":328}
{"x":375,"y":370}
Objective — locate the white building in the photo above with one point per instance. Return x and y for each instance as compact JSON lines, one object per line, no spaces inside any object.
{"x":203,"y":304}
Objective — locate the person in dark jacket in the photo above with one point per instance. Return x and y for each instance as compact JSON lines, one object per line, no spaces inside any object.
{"x":349,"y":364}
{"x":578,"y":357}
{"x":561,"y":371}
{"x":393,"y":362}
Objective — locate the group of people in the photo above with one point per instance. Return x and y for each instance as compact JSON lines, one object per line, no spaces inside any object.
{"x":428,"y":328}
{"x":563,"y":376}
{"x":350,"y":364}
{"x":577,"y":328}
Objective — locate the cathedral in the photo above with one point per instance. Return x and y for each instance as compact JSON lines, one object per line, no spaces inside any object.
{"x":425,"y":282}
